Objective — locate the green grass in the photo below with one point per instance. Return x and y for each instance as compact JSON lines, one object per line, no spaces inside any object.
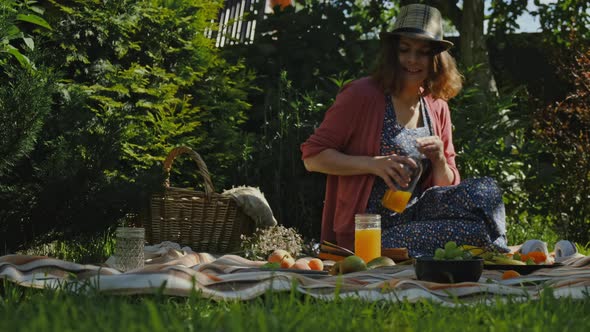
{"x":89,"y":249}
{"x":23,"y":309}
{"x":34,"y":310}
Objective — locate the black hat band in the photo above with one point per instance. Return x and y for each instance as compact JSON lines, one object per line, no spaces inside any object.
{"x":417,"y":31}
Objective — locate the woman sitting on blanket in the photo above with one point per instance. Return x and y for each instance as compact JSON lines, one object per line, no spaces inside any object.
{"x":366,"y":139}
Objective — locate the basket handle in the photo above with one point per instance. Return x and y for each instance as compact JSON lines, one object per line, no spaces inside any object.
{"x":177,"y":151}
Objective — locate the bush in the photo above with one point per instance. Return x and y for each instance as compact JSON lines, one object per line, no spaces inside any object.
{"x":138,"y":78}
{"x":494,"y":139}
{"x":25,"y":101}
{"x":564,"y":128}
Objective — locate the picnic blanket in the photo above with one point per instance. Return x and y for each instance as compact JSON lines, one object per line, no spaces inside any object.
{"x":172,"y":270}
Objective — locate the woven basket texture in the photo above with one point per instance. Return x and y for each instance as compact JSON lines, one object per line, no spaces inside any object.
{"x":205,"y":221}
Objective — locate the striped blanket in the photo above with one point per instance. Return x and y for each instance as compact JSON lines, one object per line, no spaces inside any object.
{"x":175,"y":271}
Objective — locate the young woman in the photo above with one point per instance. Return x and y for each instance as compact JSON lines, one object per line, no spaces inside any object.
{"x":366,"y":139}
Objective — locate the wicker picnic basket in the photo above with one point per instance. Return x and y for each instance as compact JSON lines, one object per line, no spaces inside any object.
{"x":205,"y":221}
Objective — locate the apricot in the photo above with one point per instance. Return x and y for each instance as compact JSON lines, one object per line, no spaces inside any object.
{"x":538,"y":257}
{"x":287,"y":263}
{"x":300,"y":265}
{"x":303,"y":260}
{"x":510,"y":274}
{"x":282,"y":257}
{"x":316,"y":264}
{"x":278,"y":255}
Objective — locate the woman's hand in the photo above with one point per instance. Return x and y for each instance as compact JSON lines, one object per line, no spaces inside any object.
{"x":432,"y":148}
{"x":393,"y":169}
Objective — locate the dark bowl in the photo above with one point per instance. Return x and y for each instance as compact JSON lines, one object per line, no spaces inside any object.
{"x":448,"y":271}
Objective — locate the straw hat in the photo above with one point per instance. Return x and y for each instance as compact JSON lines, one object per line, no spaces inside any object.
{"x":420,"y":22}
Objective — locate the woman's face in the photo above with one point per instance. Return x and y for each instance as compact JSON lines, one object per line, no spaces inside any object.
{"x":415,"y":56}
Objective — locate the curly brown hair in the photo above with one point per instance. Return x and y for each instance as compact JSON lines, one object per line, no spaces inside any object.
{"x":444,"y":80}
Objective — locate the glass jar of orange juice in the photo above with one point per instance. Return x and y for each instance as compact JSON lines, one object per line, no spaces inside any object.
{"x":367,"y":236}
{"x":397,"y":200}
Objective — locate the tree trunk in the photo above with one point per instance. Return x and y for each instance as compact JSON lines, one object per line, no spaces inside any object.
{"x":473,"y":46}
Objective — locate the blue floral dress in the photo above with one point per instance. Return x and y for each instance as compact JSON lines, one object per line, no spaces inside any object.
{"x":471,"y":212}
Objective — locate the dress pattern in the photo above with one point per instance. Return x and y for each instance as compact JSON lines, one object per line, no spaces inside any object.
{"x":471,"y":212}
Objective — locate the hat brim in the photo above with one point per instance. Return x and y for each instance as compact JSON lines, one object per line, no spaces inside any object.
{"x":442,"y":45}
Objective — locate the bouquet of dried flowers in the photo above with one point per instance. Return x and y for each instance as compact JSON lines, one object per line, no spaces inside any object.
{"x":264,"y":241}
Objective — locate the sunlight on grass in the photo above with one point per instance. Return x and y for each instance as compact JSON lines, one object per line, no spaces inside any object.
{"x":42,"y":310}
{"x":83,"y":250}
{"x":46,"y":310}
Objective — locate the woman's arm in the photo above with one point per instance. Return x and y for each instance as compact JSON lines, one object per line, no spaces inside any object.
{"x":391,"y":168}
{"x":442,"y":175}
{"x":439,"y":148}
{"x":433,"y":148}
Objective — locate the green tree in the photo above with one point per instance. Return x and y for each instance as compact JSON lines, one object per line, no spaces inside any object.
{"x":14,"y":39}
{"x":564,"y":127}
{"x":139,"y":77}
{"x":301,"y":58}
{"x":25,"y":92}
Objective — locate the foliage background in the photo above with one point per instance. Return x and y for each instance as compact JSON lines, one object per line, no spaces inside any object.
{"x":134,"y":78}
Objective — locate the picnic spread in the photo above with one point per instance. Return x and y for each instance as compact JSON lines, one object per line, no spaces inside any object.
{"x":211,"y":222}
{"x":175,"y":270}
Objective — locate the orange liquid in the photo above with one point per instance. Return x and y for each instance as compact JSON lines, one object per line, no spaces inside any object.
{"x":396,"y":200}
{"x":367,"y":243}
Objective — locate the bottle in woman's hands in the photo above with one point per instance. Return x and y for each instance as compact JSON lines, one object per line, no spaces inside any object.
{"x":397,"y":200}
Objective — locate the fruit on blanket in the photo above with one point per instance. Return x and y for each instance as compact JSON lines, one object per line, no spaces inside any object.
{"x":499,"y":259}
{"x":304,"y":260}
{"x":282,"y":257}
{"x":494,"y":258}
{"x":352,"y":264}
{"x":278,"y":255}
{"x":301,"y":265}
{"x":287,"y":262}
{"x":452,"y":252}
{"x":509,"y":274}
{"x":380,"y":262}
{"x":474,"y":250}
{"x":316,"y":264}
{"x":450,"y":245}
{"x":348,"y":265}
{"x":537,"y":257}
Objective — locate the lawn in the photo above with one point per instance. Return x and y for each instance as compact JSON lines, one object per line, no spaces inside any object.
{"x":41,"y":310}
{"x":44,"y":310}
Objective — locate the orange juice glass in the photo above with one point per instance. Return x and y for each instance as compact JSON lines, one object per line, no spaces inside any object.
{"x":396,"y":200}
{"x":367,"y":237}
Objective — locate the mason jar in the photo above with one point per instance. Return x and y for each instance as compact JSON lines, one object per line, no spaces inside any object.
{"x":129,"y":248}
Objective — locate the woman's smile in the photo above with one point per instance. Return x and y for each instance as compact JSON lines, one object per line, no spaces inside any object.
{"x":412,"y":70}
{"x":414,"y":57}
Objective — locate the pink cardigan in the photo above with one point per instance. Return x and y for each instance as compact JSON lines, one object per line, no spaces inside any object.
{"x":353,"y":126}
